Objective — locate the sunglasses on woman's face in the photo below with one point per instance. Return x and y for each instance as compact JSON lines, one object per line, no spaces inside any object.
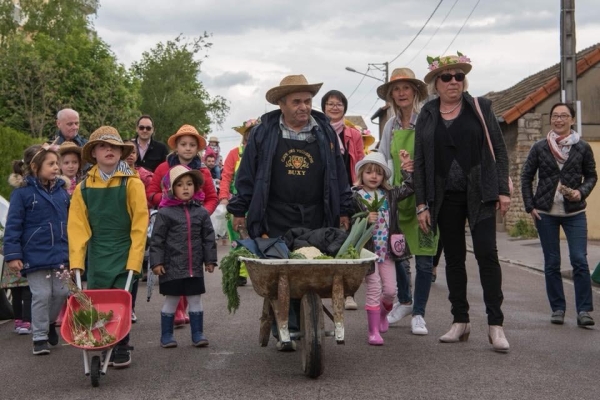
{"x":458,"y":77}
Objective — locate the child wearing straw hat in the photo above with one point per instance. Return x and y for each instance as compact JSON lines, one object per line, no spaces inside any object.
{"x":108,"y":220}
{"x":70,"y":164}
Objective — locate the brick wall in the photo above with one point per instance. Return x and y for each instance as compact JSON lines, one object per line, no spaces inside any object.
{"x":528,"y":132}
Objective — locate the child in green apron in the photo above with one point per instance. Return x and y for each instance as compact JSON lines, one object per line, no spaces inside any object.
{"x":108,"y":220}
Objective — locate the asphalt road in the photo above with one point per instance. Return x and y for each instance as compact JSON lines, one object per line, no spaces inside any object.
{"x":545,"y":361}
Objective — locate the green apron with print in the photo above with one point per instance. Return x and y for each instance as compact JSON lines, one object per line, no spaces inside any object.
{"x":419,"y":243}
{"x":110,"y":242}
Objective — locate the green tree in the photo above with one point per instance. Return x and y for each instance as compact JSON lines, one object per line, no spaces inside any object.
{"x":171,"y":91}
{"x":56,"y":60}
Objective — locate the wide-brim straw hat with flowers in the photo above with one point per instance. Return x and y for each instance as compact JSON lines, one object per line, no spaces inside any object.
{"x":187,"y":130}
{"x":106,"y":134}
{"x":246,"y":126}
{"x":375,"y":158}
{"x":69,"y":147}
{"x":292,"y":84}
{"x":403,"y":75}
{"x":442,"y":63}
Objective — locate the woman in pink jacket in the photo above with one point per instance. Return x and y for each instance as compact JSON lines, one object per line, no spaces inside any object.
{"x":334,"y":104}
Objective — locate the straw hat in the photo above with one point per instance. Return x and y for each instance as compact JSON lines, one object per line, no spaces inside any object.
{"x":443,"y":63}
{"x":213,"y":139}
{"x":367,"y":138}
{"x":180,"y":170}
{"x":187,"y":130}
{"x":246,"y":126}
{"x":106,"y":134}
{"x":375,"y":158}
{"x":69,"y":147}
{"x":291,"y":84}
{"x":406,"y":75}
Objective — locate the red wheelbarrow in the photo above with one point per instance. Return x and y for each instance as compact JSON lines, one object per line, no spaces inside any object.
{"x":104,"y":300}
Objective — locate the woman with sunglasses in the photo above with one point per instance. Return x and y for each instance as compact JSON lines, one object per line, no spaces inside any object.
{"x":334,"y":104}
{"x":566,"y":176}
{"x":405,"y":93}
{"x":457,"y":179}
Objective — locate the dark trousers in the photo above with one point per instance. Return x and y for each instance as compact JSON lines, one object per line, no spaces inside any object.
{"x":21,"y":303}
{"x":451,"y":222}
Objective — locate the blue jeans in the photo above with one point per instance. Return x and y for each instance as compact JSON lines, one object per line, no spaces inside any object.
{"x":575,"y":228}
{"x":424,"y":266}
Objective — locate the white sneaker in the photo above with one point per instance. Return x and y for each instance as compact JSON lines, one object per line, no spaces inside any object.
{"x":418,"y":325}
{"x":350,"y":304}
{"x":398,"y":312}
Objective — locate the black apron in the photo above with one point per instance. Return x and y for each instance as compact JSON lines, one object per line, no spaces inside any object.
{"x":296,"y":190}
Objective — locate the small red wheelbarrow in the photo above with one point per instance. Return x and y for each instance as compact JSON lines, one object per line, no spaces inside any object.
{"x":104,"y":300}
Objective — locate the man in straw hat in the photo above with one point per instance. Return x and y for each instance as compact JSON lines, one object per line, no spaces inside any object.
{"x":108,"y":220}
{"x":292,"y":173}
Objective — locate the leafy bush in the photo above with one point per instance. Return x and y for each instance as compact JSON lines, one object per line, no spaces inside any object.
{"x":12,"y":144}
{"x":523,"y":229}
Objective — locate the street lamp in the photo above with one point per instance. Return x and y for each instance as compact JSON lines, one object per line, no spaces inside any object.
{"x":378,"y":67}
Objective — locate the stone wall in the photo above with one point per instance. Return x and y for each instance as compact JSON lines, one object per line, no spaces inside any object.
{"x":528,"y":132}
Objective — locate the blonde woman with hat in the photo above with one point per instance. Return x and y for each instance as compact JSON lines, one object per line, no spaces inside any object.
{"x":373,"y":174}
{"x":108,"y":220}
{"x":294,"y":147}
{"x":461,"y":174}
{"x":405,"y":93}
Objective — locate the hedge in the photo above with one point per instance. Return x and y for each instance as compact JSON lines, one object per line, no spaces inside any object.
{"x":12,"y":145}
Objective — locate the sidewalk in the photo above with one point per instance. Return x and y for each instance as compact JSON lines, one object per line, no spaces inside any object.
{"x":528,"y":253}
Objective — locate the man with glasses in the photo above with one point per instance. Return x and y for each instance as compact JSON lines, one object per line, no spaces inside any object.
{"x":150,"y":152}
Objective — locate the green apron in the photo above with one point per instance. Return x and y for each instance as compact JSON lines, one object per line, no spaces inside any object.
{"x":233,"y":235}
{"x":108,"y":248}
{"x":419,"y":243}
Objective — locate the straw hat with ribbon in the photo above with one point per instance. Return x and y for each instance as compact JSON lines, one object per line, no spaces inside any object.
{"x":406,"y":75}
{"x":442,"y":63}
{"x":179,"y":171}
{"x":246,"y":126}
{"x":292,"y":84}
{"x":69,"y":147}
{"x":106,"y":134}
{"x":187,"y":130}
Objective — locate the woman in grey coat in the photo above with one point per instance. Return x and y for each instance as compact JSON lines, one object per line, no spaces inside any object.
{"x":182,"y":242}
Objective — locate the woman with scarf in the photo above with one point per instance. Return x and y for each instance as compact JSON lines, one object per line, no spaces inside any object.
{"x":566,"y":176}
{"x":405,"y":93}
{"x":334,"y":104}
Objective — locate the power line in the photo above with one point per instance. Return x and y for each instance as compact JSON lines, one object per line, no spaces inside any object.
{"x":366,"y":95}
{"x":434,"y":33}
{"x":418,"y":33}
{"x":359,"y":83}
{"x":463,"y":25}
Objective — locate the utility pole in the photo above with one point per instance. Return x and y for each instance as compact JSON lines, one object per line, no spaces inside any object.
{"x":568,"y":56}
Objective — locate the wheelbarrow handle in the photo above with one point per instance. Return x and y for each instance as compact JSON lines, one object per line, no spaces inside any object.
{"x":78,"y":279}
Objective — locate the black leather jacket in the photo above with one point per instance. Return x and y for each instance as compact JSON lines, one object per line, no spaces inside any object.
{"x":578,"y":172}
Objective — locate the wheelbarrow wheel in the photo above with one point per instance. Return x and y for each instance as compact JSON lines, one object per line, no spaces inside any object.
{"x":311,"y":321}
{"x":95,"y":371}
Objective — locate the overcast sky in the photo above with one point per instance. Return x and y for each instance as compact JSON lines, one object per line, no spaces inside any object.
{"x":258,"y":42}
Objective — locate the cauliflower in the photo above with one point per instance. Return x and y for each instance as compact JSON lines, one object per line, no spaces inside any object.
{"x":309,"y":252}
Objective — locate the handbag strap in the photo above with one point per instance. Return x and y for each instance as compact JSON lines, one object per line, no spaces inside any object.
{"x":487,"y":133}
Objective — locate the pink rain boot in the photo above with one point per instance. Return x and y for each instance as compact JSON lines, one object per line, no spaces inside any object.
{"x":374,"y":317}
{"x":384,"y":311}
{"x":180,"y":312}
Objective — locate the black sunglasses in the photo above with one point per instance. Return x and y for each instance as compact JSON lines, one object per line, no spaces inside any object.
{"x":144,"y":128}
{"x":459,"y":77}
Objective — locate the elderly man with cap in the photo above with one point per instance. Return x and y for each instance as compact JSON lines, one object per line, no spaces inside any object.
{"x":67,"y":121}
{"x":292,"y":173}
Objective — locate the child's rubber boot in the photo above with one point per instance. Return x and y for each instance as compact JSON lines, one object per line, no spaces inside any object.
{"x":197,"y":327}
{"x":167,"y":340}
{"x":384,"y":311}
{"x":373,"y":318}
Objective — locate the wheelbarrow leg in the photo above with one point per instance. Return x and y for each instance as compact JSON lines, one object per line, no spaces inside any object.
{"x":266,"y":321}
{"x":281,"y":308}
{"x":337,"y":303}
